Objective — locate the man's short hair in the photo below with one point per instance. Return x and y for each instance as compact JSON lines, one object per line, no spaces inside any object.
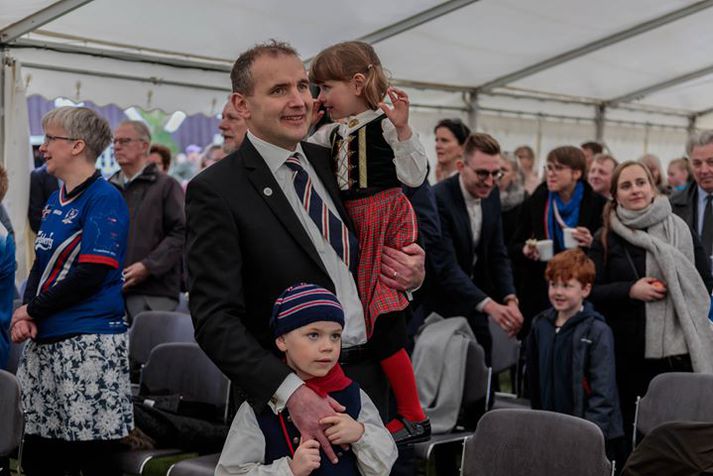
{"x":241,"y":75}
{"x":605,"y":157}
{"x":699,"y":139}
{"x":81,"y":123}
{"x":571,"y":264}
{"x":480,"y":141}
{"x":595,"y":147}
{"x":141,"y":129}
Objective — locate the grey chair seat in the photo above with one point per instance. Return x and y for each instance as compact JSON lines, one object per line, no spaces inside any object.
{"x":13,"y":360}
{"x":202,"y":466}
{"x":151,"y":328}
{"x":513,"y":442}
{"x":11,"y":419}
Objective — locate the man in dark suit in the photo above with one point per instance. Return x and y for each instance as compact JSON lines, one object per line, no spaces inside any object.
{"x":480,"y":282}
{"x":42,"y":185}
{"x":695,"y":203}
{"x":249,"y":237}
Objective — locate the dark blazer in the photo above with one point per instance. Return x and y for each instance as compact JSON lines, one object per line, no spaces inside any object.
{"x":42,"y":185}
{"x":685,"y":205}
{"x":461,"y":286}
{"x":532,"y":288}
{"x":245,"y":245}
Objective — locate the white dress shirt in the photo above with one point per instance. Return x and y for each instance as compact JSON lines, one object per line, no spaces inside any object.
{"x":354,"y":327}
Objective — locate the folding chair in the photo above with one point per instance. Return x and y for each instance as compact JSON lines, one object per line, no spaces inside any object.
{"x":11,"y":417}
{"x":178,"y":368}
{"x":151,"y":328}
{"x":183,"y":304}
{"x":476,"y":388}
{"x":675,"y":396}
{"x":515,"y":442}
{"x":13,"y":360}
{"x":201,"y":466}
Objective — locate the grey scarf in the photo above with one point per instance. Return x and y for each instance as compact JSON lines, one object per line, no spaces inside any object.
{"x":677,"y":324}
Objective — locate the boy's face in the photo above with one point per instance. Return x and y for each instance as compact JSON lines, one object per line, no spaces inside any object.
{"x":312,"y":350}
{"x":567,"y":296}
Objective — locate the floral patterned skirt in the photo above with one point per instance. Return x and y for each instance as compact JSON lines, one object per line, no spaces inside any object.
{"x":77,"y":389}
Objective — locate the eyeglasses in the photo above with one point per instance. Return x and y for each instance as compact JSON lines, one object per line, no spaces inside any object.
{"x":124,"y":141}
{"x":484,"y":174}
{"x":48,"y":138}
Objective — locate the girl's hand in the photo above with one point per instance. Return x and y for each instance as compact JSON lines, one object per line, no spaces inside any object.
{"x":306,"y":458}
{"x":317,"y":115}
{"x":343,"y":429}
{"x":22,"y":326}
{"x":398,"y":114}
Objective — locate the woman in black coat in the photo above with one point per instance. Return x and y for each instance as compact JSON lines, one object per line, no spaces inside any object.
{"x":623,"y":284}
{"x":565,"y":200}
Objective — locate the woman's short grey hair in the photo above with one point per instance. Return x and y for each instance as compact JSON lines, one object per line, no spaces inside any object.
{"x":699,"y":139}
{"x":81,"y":123}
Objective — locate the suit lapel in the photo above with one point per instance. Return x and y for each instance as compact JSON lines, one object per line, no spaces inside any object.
{"x":461,"y":212}
{"x":269,"y":190}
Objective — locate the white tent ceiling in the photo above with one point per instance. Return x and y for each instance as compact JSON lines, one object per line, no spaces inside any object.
{"x":591,"y":53}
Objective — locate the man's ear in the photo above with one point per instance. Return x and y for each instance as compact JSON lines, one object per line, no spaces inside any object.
{"x":460,"y":165}
{"x":240,"y":104}
{"x":358,"y":81}
{"x":280,"y":343}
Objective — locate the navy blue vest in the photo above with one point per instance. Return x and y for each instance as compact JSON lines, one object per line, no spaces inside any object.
{"x":378,"y":160}
{"x":276,"y":447}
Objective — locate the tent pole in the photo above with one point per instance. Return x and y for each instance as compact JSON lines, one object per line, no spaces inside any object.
{"x":692,"y":124}
{"x":3,"y":58}
{"x":473,"y":111}
{"x":599,"y":118}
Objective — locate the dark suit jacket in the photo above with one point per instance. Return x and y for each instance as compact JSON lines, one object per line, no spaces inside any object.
{"x":461,"y":286}
{"x":245,"y":245}
{"x":42,"y":185}
{"x":685,"y":205}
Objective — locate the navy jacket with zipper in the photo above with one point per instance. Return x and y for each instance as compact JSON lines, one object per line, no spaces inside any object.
{"x":573,"y":371}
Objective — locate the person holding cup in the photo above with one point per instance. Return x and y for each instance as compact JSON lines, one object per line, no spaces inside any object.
{"x":653,"y":286}
{"x":564,"y":212}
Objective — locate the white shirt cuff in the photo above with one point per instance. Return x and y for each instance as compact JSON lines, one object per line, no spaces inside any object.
{"x":278,"y":402}
{"x":481,"y":305}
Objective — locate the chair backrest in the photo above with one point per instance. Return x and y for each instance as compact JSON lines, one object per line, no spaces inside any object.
{"x":477,"y":376}
{"x":505,"y":349}
{"x":183,"y":368}
{"x":513,"y":442}
{"x":14,"y":358}
{"x":676,"y":396}
{"x":10,"y":413}
{"x":151,"y":328}
{"x":183,"y":303}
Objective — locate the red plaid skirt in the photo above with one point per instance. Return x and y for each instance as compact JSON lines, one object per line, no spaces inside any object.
{"x":384,"y":219}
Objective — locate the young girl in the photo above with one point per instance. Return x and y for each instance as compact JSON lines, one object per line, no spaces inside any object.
{"x":375,"y":152}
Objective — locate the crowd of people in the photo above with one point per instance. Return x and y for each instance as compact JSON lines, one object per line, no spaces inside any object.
{"x":313,"y":247}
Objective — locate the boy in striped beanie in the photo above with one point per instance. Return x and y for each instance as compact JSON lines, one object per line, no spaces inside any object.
{"x":307,"y":323}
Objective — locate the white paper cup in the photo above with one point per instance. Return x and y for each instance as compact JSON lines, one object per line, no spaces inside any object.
{"x":546,"y":249}
{"x":569,"y":241}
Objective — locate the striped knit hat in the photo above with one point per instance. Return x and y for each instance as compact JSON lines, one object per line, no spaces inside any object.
{"x":304,"y":304}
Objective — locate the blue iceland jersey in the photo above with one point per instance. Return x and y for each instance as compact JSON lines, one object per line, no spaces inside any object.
{"x":91,"y":227}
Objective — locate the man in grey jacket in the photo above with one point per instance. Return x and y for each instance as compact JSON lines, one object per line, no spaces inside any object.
{"x":153,"y":272}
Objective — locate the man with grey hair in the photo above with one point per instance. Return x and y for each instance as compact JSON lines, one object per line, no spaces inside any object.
{"x":153,"y":274}
{"x":694,"y":204}
{"x":232,"y":127}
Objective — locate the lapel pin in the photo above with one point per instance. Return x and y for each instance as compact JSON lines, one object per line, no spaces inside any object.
{"x":267,"y":191}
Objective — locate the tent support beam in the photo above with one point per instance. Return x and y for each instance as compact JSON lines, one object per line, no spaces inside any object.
{"x":102,"y":74}
{"x":415,"y":21}
{"x":3,"y":57}
{"x":597,"y":45}
{"x":473,"y":108}
{"x":638,"y":94}
{"x":39,"y":18}
{"x":704,"y":112}
{"x":692,"y":124}
{"x":599,"y":120}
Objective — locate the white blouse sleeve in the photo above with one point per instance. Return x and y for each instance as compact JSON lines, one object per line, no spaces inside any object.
{"x":375,"y":451}
{"x":409,"y":156}
{"x":244,"y":449}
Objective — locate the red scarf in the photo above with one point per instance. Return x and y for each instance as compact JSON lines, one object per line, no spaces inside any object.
{"x":334,"y":381}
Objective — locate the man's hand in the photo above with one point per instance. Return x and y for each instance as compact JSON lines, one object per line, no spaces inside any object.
{"x":306,"y":458}
{"x":403,"y":269}
{"x":307,"y":409}
{"x":22,"y":326}
{"x":343,"y":429}
{"x":508,"y":317}
{"x":134,"y":274}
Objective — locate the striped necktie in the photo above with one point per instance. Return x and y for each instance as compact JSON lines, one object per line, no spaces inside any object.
{"x":329,"y":224}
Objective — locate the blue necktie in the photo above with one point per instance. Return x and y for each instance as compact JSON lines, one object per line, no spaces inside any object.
{"x":330,"y":225}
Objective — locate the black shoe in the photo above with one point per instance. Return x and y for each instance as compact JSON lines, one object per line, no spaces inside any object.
{"x":412,"y":432}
